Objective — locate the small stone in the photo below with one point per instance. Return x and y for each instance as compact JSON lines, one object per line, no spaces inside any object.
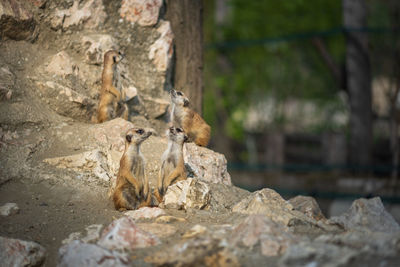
{"x":169,"y":219}
{"x":15,"y":252}
{"x":71,"y":237}
{"x":308,"y":206}
{"x":9,"y":209}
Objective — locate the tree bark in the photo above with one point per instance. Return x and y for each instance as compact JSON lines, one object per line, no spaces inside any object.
{"x":186,"y":17}
{"x":358,"y":83}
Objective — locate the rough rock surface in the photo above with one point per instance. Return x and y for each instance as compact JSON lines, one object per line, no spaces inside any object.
{"x":145,"y":213}
{"x":308,"y":206}
{"x":369,"y":214}
{"x":9,"y":209}
{"x":162,"y":49}
{"x":78,"y":253}
{"x":144,"y":12}
{"x":15,"y":252}
{"x":187,"y":194}
{"x":125,"y":234}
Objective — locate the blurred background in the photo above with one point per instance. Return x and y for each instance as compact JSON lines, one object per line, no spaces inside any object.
{"x":303,"y":96}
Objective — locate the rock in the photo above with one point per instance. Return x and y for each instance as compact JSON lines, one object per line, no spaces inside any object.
{"x":169,"y":219}
{"x":71,"y":237}
{"x":266,"y":202}
{"x":224,"y":197}
{"x":92,"y":233}
{"x":91,"y":15}
{"x":195,"y":231}
{"x":308,"y":206}
{"x":61,"y":64}
{"x":7,"y":82}
{"x":145,"y":213}
{"x":9,"y":209}
{"x":187,"y":194}
{"x":87,"y":163}
{"x":15,"y":252}
{"x":369,"y":214}
{"x":374,"y":243}
{"x":144,"y":12}
{"x":125,"y":234}
{"x":317,"y":254}
{"x":16,"y":21}
{"x":130,"y":92}
{"x":206,"y":164}
{"x":273,"y":237}
{"x":157,"y":229}
{"x":202,"y":251}
{"x":162,"y":50}
{"x":77,"y":253}
{"x":66,"y":101}
{"x":155,"y":107}
{"x":96,"y":45}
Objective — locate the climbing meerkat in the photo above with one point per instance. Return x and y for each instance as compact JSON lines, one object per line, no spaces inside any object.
{"x":132,"y":187}
{"x":111,"y":103}
{"x":172,"y":164}
{"x":195,"y":127}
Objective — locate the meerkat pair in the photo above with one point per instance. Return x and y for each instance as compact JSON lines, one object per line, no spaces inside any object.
{"x":111,"y":104}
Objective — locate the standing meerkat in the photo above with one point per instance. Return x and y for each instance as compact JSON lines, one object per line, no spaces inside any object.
{"x":111,"y":104}
{"x":172,"y":164}
{"x":195,"y":127}
{"x":132,"y":188}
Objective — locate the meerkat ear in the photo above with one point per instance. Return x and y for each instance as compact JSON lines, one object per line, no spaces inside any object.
{"x":128,"y":138}
{"x":185,"y":139}
{"x":115,"y":59}
{"x":186,"y":102}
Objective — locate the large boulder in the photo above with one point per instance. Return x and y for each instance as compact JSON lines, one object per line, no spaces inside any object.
{"x":15,"y":252}
{"x":367,"y":214}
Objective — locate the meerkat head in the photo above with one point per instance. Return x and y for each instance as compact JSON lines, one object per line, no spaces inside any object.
{"x":179,"y":98}
{"x":136,"y":136}
{"x":113,"y":56}
{"x":177,"y":135}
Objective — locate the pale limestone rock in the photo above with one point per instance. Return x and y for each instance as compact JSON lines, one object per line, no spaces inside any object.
{"x":125,"y":234}
{"x":195,"y":231}
{"x":144,"y":12}
{"x":77,"y":253}
{"x":145,"y":213}
{"x":91,"y":14}
{"x":266,"y":202}
{"x":15,"y":252}
{"x":96,"y":45}
{"x":9,"y":209}
{"x":187,"y":194}
{"x":367,"y":214}
{"x":206,"y":164}
{"x":130,"y":92}
{"x":157,"y":229}
{"x":91,"y":162}
{"x":308,"y":206}
{"x":155,"y":107}
{"x":61,"y":64}
{"x":273,"y":237}
{"x":162,"y":50}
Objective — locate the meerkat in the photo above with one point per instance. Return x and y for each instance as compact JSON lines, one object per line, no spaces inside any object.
{"x":172,"y":164}
{"x":132,"y":187}
{"x":111,"y":103}
{"x":195,"y":127}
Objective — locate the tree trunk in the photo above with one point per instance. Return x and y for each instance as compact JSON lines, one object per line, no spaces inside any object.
{"x":186,"y":17}
{"x":358,"y":83}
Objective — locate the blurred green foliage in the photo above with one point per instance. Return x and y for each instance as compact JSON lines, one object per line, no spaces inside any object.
{"x":239,"y":76}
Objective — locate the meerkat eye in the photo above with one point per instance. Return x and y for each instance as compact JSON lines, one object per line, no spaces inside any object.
{"x":179,"y":130}
{"x":179,"y":93}
{"x":140,"y":131}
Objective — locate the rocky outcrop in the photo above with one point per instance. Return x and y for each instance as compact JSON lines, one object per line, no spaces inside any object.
{"x":161,"y":50}
{"x":15,"y":252}
{"x":368,"y":214}
{"x":143,"y":12}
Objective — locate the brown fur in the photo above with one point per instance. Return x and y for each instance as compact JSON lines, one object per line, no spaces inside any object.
{"x":172,"y":166}
{"x":111,"y":103}
{"x":132,"y":188}
{"x":193,"y":124}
